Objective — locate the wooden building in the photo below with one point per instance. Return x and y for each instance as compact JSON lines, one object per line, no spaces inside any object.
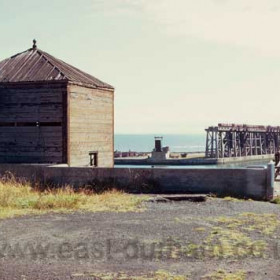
{"x":52,"y":112}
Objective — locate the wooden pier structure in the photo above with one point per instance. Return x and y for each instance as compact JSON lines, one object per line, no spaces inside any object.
{"x":235,"y":140}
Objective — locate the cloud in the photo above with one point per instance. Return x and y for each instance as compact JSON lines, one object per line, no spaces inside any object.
{"x":246,"y":23}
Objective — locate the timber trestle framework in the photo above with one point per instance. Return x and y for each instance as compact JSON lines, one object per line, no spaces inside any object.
{"x":233,"y":140}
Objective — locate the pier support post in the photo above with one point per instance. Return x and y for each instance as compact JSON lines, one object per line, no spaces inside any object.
{"x":270,"y":180}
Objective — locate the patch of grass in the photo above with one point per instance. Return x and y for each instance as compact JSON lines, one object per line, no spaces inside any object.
{"x":178,"y":220}
{"x":263,"y":223}
{"x":230,"y":198}
{"x":229,"y":243}
{"x":231,"y":235}
{"x":19,"y":198}
{"x":223,"y":275}
{"x":276,"y":200}
{"x":234,"y":237}
{"x":158,"y":275}
{"x":200,"y":229}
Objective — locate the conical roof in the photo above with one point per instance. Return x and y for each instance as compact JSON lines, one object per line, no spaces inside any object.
{"x":35,"y":65}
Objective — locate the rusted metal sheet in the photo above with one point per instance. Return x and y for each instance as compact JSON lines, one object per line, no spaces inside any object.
{"x":35,"y":65}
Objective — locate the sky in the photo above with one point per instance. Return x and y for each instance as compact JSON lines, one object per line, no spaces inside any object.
{"x":178,"y":66}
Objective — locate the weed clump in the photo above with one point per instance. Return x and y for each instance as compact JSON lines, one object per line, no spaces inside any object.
{"x":20,"y":198}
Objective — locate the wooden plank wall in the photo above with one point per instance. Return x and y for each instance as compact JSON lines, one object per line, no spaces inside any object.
{"x":20,"y":107}
{"x":91,"y":125}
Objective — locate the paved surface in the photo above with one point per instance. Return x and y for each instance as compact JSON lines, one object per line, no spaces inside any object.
{"x":80,"y":245}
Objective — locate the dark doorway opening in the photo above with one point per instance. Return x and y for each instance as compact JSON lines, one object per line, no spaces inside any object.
{"x":93,"y":158}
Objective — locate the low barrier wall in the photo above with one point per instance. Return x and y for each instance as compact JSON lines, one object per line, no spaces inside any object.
{"x":254,"y":183}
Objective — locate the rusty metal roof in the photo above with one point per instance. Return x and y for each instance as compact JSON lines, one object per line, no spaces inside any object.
{"x":35,"y":65}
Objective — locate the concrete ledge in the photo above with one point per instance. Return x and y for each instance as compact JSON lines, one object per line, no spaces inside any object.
{"x":244,"y":159}
{"x":191,"y":161}
{"x":238,"y":182}
{"x":146,"y":161}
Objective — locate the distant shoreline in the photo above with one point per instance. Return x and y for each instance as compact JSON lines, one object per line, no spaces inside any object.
{"x":178,"y":143}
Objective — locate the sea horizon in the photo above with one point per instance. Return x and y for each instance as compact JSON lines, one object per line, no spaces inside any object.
{"x":145,"y":142}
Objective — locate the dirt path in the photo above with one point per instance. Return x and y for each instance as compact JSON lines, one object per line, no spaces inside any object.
{"x":181,"y":238}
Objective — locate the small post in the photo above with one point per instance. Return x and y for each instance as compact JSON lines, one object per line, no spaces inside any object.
{"x":270,"y":179}
{"x":234,"y":144}
{"x":216,"y":144}
{"x":256,"y":144}
{"x":34,"y":47}
{"x":207,"y":143}
{"x":222,"y":145}
{"x":251,"y":144}
{"x":212,"y":142}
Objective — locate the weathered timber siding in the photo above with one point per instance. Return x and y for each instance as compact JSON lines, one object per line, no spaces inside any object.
{"x":90,"y":125}
{"x":22,"y":105}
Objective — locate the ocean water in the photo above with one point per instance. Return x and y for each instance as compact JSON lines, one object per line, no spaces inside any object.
{"x":177,"y":143}
{"x":145,"y":142}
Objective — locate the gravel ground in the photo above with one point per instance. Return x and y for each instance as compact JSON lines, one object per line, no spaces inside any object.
{"x":81,"y":245}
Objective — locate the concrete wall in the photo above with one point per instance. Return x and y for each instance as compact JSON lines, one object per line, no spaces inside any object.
{"x":90,"y":125}
{"x":244,"y":159}
{"x":191,"y":161}
{"x":241,"y":182}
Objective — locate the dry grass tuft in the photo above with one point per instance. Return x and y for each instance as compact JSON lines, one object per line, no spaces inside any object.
{"x":19,"y":198}
{"x":265,"y":223}
{"x":230,"y":198}
{"x":223,"y":275}
{"x":239,"y":236}
{"x":158,"y":275}
{"x":231,"y":236}
{"x":276,"y":200}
